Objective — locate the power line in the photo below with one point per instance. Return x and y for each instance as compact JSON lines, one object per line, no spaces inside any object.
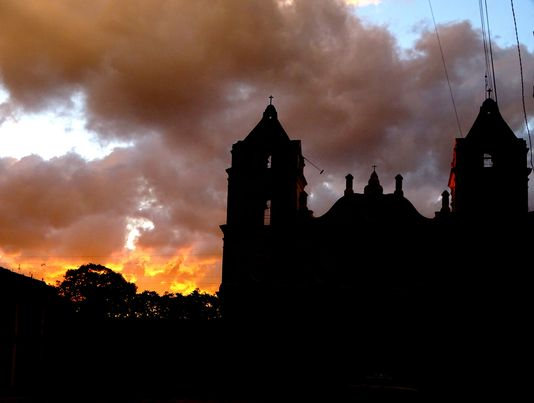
{"x":316,"y":167}
{"x":487,"y":87}
{"x":490,"y":83}
{"x":522,"y":83}
{"x":445,"y":69}
{"x":491,"y":52}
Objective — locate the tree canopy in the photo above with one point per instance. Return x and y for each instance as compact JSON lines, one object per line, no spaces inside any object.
{"x":99,"y":292}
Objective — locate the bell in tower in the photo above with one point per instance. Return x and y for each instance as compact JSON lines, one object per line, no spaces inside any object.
{"x":266,"y":180}
{"x":489,"y":174}
{"x":266,"y":198}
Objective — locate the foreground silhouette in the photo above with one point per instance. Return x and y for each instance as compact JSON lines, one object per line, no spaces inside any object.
{"x":93,"y":337}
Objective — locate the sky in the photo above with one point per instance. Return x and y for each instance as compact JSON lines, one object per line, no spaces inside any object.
{"x":117,"y":118}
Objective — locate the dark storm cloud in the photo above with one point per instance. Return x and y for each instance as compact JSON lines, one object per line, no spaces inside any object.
{"x":186,"y":79}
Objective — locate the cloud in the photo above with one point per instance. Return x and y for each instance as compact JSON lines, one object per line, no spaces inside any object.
{"x":363,"y":3}
{"x":183,"y":81}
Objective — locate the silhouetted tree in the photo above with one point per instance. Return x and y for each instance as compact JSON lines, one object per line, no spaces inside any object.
{"x":98,"y":291}
{"x":196,"y":305}
{"x":201,"y":305}
{"x":150,"y":305}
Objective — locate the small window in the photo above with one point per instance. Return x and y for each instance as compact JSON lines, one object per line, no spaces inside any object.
{"x":269,"y":161}
{"x":267,"y":213}
{"x":488,"y":160}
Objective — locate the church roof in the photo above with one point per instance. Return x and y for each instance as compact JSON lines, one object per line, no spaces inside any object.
{"x":269,"y":131}
{"x":363,"y":210}
{"x":372,"y":207}
{"x":490,"y":127}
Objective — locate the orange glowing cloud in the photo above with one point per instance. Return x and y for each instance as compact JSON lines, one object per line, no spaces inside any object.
{"x":181,"y":273}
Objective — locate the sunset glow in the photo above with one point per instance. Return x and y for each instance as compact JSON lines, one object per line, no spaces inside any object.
{"x":183,"y":272}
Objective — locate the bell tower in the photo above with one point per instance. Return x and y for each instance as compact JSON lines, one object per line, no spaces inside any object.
{"x":266,"y":180}
{"x":266,"y":197}
{"x":489,"y":174}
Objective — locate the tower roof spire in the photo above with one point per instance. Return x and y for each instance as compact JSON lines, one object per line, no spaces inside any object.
{"x":373,"y":187}
{"x":270,"y":111}
{"x":268,"y":130}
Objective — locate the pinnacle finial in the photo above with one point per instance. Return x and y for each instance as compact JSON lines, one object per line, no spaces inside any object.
{"x":270,"y":99}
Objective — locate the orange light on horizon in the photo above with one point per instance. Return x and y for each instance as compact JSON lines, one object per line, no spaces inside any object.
{"x":179,"y":272}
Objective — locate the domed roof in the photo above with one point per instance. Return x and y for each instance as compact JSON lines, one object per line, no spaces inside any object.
{"x":372,"y":208}
{"x":361,"y":209}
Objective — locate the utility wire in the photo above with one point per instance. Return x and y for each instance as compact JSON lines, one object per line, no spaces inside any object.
{"x":487,"y":86}
{"x":445,"y":69}
{"x":491,"y":52}
{"x":522,"y":84}
{"x":315,"y":166}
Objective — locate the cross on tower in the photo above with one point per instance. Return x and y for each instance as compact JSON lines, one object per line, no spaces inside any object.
{"x":270,"y":99}
{"x":374,"y":168}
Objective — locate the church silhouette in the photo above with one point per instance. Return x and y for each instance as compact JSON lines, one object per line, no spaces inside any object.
{"x":370,"y":248}
{"x":372,"y":281}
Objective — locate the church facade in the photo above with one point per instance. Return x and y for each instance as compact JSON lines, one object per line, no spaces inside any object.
{"x":372,"y":254}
